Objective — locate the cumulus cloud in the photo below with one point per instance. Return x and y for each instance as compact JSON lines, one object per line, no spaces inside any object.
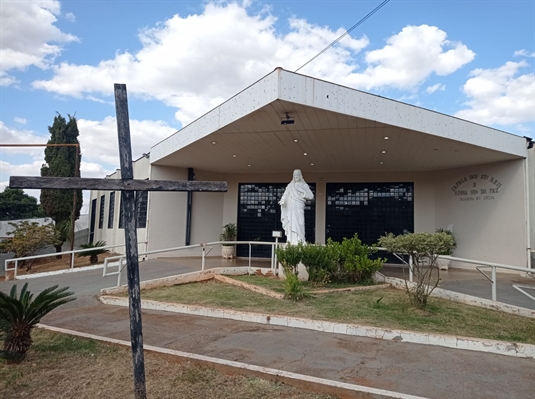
{"x":432,"y":89}
{"x":29,"y":36}
{"x":16,"y":136}
{"x":21,"y":121}
{"x":523,"y":53}
{"x":500,"y":96}
{"x":98,"y":140}
{"x":410,"y":57}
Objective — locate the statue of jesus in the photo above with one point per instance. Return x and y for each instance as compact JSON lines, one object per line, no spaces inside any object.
{"x":293,"y":208}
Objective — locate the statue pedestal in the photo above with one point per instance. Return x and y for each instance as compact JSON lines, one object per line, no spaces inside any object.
{"x":301,"y":270}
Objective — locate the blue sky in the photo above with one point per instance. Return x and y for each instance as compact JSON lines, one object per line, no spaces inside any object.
{"x":179,"y":59}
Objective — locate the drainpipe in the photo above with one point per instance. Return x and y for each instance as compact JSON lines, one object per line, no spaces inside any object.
{"x":529,"y":143}
{"x":191,"y":177}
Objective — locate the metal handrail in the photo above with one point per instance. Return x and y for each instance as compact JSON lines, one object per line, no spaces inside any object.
{"x":16,"y":260}
{"x":204,"y":246}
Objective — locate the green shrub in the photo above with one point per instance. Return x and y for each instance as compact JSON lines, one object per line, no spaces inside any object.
{"x":93,"y":253}
{"x":290,"y":256}
{"x":319,"y":263}
{"x":352,"y":260}
{"x":424,"y":249}
{"x":294,"y":288}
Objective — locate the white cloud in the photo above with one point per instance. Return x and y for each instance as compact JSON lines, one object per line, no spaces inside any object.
{"x":500,"y":96}
{"x":435,"y":87}
{"x":523,"y":53}
{"x":99,"y":144}
{"x":20,"y":121}
{"x":195,"y":62}
{"x":70,"y":17}
{"x":29,"y":36}
{"x":15,"y":136}
{"x":410,"y":57}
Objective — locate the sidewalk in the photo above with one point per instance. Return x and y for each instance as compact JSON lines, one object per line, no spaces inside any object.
{"x":402,"y":367}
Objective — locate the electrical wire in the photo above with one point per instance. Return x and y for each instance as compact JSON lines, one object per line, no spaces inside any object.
{"x":347,"y":32}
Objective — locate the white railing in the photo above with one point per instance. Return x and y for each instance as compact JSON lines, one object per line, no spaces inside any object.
{"x":481,"y":264}
{"x":120,"y":260}
{"x":71,"y":268}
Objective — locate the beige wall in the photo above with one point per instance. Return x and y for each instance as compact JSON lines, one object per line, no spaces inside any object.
{"x":488,"y":226}
{"x":531,"y":193}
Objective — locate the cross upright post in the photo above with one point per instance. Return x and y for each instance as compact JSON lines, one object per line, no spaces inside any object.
{"x":130,"y":238}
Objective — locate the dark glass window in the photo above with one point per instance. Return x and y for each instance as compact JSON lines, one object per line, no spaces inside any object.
{"x":369,"y":209}
{"x":93,"y":218}
{"x":121,"y":214}
{"x":101,"y":215}
{"x":259,"y":214}
{"x":111,"y":211}
{"x":141,"y":208}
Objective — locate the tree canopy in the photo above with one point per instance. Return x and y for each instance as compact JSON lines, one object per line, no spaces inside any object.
{"x":61,"y":162}
{"x":16,"y":204}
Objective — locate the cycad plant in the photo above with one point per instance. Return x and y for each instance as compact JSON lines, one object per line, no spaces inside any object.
{"x":93,"y":253}
{"x":20,"y":313}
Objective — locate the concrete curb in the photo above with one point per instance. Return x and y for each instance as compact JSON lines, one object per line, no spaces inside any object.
{"x":463,"y":298}
{"x":56,"y":272}
{"x":301,"y":381}
{"x":473,"y":344}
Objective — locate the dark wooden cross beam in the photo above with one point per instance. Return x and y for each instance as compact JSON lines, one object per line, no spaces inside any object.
{"x":127,"y":185}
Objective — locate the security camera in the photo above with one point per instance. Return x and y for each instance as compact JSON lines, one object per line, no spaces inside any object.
{"x":288,"y":120}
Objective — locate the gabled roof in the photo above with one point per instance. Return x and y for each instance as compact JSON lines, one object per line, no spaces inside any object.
{"x":338,"y":128}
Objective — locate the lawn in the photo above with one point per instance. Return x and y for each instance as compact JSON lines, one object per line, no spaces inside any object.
{"x":62,"y":366}
{"x":386,"y":308}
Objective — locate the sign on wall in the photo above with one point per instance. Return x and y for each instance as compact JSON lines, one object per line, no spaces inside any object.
{"x":477,"y":187}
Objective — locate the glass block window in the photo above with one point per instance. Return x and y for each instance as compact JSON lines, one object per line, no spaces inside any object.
{"x":141,"y":208}
{"x":111,"y":210}
{"x":369,"y":209}
{"x":101,"y":215}
{"x":259,"y":214}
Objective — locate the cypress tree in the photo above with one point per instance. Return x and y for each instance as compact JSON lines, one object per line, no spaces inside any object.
{"x":61,"y":162}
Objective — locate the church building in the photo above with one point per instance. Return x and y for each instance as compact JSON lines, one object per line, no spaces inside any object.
{"x":374,"y":165}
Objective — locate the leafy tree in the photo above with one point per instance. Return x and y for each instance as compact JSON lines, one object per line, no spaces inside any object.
{"x":424,"y":248}
{"x":61,"y":162}
{"x":20,"y":314}
{"x":28,"y":238}
{"x":15,"y":204}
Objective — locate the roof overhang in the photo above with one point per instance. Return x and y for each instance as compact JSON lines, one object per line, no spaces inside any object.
{"x":336,"y":129}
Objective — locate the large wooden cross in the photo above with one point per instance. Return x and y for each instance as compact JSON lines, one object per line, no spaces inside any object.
{"x":127,"y":185}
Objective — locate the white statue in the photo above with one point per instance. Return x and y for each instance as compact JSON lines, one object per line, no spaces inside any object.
{"x":293,"y":208}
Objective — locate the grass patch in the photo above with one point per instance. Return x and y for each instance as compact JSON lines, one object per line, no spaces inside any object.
{"x":62,"y":366}
{"x":386,"y":308}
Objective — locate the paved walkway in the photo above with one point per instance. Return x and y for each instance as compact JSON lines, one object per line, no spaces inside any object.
{"x":402,"y":367}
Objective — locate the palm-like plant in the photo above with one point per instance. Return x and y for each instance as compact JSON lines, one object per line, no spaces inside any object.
{"x":93,"y":253}
{"x":20,"y":313}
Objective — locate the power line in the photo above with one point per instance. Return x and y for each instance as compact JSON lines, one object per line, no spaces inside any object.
{"x":347,"y":32}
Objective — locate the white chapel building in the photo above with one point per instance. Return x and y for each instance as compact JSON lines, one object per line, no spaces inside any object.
{"x":375,"y":166}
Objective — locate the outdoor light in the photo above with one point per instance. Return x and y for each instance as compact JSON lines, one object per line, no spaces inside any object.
{"x":288,"y":120}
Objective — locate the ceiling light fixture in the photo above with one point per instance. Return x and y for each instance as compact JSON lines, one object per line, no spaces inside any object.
{"x":295,"y":140}
{"x":311,"y":164}
{"x":382,"y":163}
{"x":305,"y":154}
{"x":213,"y":142}
{"x":234,"y":156}
{"x":249,"y":165}
{"x":288,"y":120}
{"x":386,"y":137}
{"x":384,"y":152}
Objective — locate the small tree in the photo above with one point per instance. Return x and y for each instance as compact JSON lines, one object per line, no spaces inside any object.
{"x":15,"y":204}
{"x":20,"y":314}
{"x":28,"y":238}
{"x":93,"y":253}
{"x":61,"y":162}
{"x":423,"y":248}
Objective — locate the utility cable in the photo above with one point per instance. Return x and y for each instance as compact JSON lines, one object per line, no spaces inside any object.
{"x":345,"y":34}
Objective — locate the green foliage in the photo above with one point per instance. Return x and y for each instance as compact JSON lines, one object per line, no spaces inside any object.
{"x":318,"y":262}
{"x":28,"y":238}
{"x":93,"y":253}
{"x":61,"y":162}
{"x":450,"y":251}
{"x":20,"y":313}
{"x":352,"y":260}
{"x":230,"y":232}
{"x":424,"y":249}
{"x":294,"y":288}
{"x":15,"y":204}
{"x":290,"y":256}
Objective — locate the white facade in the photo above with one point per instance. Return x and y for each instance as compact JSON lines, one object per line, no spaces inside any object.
{"x":474,"y":179}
